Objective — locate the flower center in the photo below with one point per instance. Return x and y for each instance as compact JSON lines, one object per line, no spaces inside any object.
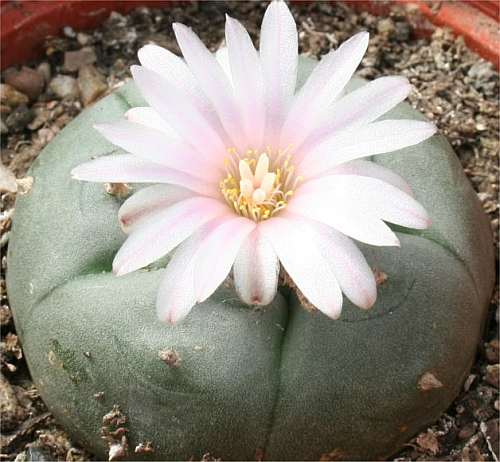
{"x":258,"y":187}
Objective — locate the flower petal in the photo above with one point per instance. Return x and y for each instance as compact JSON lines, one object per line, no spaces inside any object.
{"x":372,"y":170}
{"x":153,"y":145}
{"x":369,"y":140}
{"x":175,"y":70}
{"x":148,"y":202}
{"x":248,"y":81}
{"x":362,"y":106}
{"x":256,"y":270}
{"x":348,"y":264}
{"x":323,"y":86}
{"x":350,"y":221}
{"x":217,"y":254}
{"x":171,"y":67}
{"x":211,"y":79}
{"x":155,"y":238}
{"x":222,"y":57}
{"x":279,"y":56}
{"x":180,"y":112}
{"x":176,"y":295}
{"x":150,"y":118}
{"x":368,"y":196}
{"x":128,"y":168}
{"x":297,"y":250}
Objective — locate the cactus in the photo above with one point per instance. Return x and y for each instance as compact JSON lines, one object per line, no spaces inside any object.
{"x":238,"y":383}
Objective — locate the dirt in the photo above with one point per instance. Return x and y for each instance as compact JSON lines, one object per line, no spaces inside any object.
{"x":454,"y":87}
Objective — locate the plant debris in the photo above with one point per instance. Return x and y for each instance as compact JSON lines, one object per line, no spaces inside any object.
{"x":144,"y":448}
{"x":170,"y":357}
{"x":114,"y":432}
{"x":454,"y":87}
{"x":428,"y":381}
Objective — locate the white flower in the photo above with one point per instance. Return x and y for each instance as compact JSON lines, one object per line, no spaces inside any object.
{"x":252,"y":174}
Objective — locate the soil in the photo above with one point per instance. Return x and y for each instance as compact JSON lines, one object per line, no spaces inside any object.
{"x":453,"y":86}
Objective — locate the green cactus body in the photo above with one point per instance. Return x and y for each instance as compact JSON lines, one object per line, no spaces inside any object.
{"x":281,"y":381}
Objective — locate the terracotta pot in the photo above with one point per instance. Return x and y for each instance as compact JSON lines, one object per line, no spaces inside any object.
{"x":25,"y":24}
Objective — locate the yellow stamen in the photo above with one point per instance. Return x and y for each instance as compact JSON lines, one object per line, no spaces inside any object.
{"x":252,"y":190}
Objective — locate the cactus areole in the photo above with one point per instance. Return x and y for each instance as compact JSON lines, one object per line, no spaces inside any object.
{"x":263,"y":169}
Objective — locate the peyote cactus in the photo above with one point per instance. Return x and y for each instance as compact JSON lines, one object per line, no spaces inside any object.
{"x":278,"y":382}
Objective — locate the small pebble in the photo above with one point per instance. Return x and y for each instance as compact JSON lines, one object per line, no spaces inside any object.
{"x":64,"y":87}
{"x":3,"y":128}
{"x":482,"y":70}
{"x":492,"y":351}
{"x":467,"y":431}
{"x":492,"y":375}
{"x":5,"y":316}
{"x":83,"y":39}
{"x":402,"y":31}
{"x":91,"y":83}
{"x":471,"y":454}
{"x":469,"y":381}
{"x":36,"y":454}
{"x":492,"y":432}
{"x":7,"y":180}
{"x":385,"y":26}
{"x":69,"y":32}
{"x":11,"y":97}
{"x":428,"y":441}
{"x":74,"y":60}
{"x":26,"y":80}
{"x":45,"y":71}
{"x":11,"y":410}
{"x":19,"y":118}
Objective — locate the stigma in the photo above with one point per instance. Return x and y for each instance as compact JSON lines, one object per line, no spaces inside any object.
{"x":259,"y":186}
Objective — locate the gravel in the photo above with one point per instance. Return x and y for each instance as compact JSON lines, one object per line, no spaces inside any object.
{"x":454,"y":87}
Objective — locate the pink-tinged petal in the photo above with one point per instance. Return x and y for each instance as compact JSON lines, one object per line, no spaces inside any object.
{"x":175,"y":70}
{"x":248,"y":81}
{"x":176,"y":294}
{"x":153,"y":145}
{"x":350,"y":221}
{"x":362,"y":106}
{"x":348,"y":264}
{"x":150,"y":118}
{"x":322,"y":88}
{"x":222,"y":57}
{"x":169,"y":66}
{"x":178,"y":109}
{"x":299,"y":254}
{"x":217,"y":254}
{"x":211,"y":79}
{"x":375,"y":138}
{"x":368,"y":196}
{"x":128,"y":168}
{"x":256,"y":270}
{"x":372,"y":170}
{"x":148,"y":202}
{"x":156,"y":237}
{"x":279,"y":57}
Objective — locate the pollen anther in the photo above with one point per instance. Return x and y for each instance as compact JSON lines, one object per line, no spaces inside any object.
{"x":251,"y":189}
